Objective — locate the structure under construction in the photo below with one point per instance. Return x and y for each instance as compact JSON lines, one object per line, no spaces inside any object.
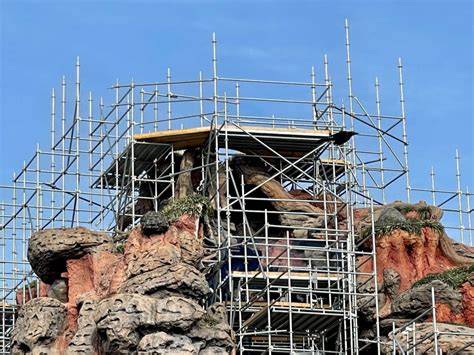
{"x":281,"y":167}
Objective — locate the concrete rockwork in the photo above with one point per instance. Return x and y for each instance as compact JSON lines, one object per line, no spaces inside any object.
{"x":145,"y":298}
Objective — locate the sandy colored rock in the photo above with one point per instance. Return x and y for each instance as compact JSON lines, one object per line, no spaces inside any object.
{"x":39,"y":327}
{"x":49,"y":249}
{"x":257,"y":176}
{"x":332,"y":204}
{"x":162,"y":343}
{"x":158,"y":278}
{"x":301,"y":221}
{"x":213,"y":350}
{"x":122,"y":319}
{"x":213,"y":329}
{"x":459,"y":337}
{"x":367,"y":304}
{"x":184,"y":183}
{"x":179,"y":278}
{"x":85,"y":339}
{"x":388,"y":291}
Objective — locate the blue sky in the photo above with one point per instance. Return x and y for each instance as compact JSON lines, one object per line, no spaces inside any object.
{"x":269,"y":39}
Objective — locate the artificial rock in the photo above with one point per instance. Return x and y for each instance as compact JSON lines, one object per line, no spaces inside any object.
{"x":49,"y":249}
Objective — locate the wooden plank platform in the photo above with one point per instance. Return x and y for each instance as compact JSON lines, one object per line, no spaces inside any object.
{"x":288,"y":141}
{"x":302,"y":313}
{"x":180,"y":138}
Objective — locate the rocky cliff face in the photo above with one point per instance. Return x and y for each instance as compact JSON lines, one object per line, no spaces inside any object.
{"x":414,"y":255}
{"x":143,"y":295}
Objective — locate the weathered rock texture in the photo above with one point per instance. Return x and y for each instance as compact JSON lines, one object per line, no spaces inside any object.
{"x":49,"y":249}
{"x":142,"y":297}
{"x":40,"y":327}
{"x":411,"y":246}
{"x":122,"y":319}
{"x":144,"y":294}
{"x":452,"y":338}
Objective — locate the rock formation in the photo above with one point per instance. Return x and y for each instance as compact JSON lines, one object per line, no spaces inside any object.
{"x":146,"y":293}
{"x":145,"y":296}
{"x":414,"y":256}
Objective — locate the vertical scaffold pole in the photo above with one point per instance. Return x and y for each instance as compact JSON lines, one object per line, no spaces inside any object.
{"x":237,"y":102}
{"x":89,"y":138}
{"x":214,"y":74}
{"x":155,"y":109}
{"x":404,"y":130}
{"x":101,"y":154}
{"x":459,"y":196}
{"x":131,"y":132}
{"x":63,"y":149}
{"x":348,"y":62}
{"x":379,"y":136}
{"x":53,"y":153}
{"x":350,"y":93}
{"x":201,"y":102}
{"x":168,"y":80}
{"x":313,"y":95}
{"x":435,"y":325}
{"x":77,"y":122}
{"x":374,"y":263}
{"x":469,"y":212}
{"x":433,"y":188}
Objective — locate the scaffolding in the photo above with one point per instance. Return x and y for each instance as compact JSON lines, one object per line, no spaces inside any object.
{"x":289,"y":287}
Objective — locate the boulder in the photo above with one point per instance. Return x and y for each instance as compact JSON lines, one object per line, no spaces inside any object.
{"x":451,"y":338}
{"x":49,"y":249}
{"x":124,"y":318}
{"x":300,"y":223}
{"x":213,"y":350}
{"x":192,"y":250}
{"x":391,"y":282}
{"x":418,"y":299}
{"x":39,"y":326}
{"x":389,"y":215}
{"x":389,"y":290}
{"x":179,"y":278}
{"x":58,"y":290}
{"x":366,"y":303}
{"x":214,"y":330}
{"x":162,"y":343}
{"x":154,"y":223}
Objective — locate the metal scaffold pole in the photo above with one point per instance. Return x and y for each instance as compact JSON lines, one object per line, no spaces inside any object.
{"x":285,"y":255}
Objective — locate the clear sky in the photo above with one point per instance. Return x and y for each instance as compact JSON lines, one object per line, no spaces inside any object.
{"x":269,"y":39}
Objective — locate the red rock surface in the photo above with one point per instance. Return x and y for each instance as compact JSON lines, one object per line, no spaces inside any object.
{"x":93,"y":276}
{"x":466,"y":317}
{"x":414,"y":257}
{"x":468,"y":303}
{"x":98,"y":275}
